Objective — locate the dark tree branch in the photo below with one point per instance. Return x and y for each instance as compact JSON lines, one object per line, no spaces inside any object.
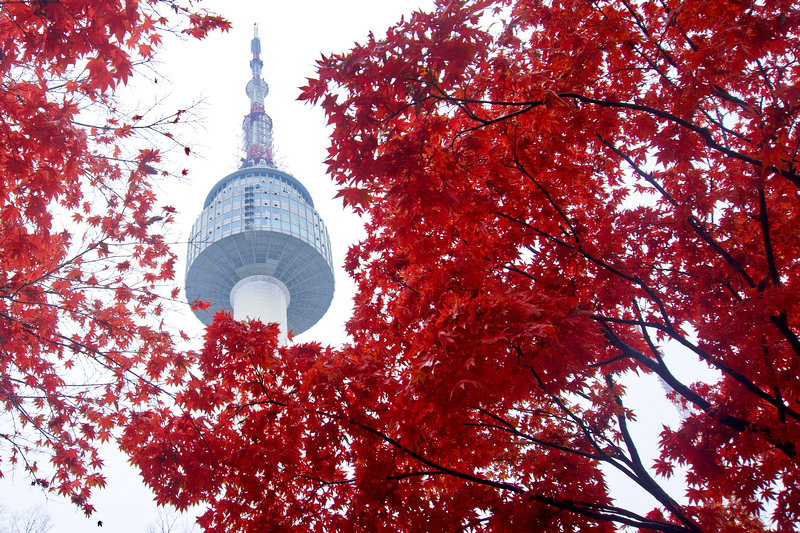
{"x":646,"y":175}
{"x":702,"y":131}
{"x":643,"y":477}
{"x":700,"y":230}
{"x":732,"y":422}
{"x":764,"y":217}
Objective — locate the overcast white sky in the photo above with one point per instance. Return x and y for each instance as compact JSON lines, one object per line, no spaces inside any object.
{"x":216,"y":70}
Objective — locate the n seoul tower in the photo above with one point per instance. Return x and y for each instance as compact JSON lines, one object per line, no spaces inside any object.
{"x":259,"y":248}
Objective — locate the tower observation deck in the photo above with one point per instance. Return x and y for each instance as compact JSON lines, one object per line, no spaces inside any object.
{"x":259,"y":248}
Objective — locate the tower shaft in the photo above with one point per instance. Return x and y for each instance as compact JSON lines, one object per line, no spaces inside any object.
{"x":262,"y":298}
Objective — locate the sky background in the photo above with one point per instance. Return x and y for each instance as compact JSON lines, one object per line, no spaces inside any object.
{"x":214,"y":72}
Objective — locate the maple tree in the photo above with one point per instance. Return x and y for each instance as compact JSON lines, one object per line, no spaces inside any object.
{"x":82,"y":251}
{"x":553,"y":192}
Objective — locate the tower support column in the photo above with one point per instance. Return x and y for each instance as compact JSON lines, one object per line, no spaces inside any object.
{"x":263,"y":298}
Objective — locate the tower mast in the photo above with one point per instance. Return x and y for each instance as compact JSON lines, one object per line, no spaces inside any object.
{"x":257,"y":125}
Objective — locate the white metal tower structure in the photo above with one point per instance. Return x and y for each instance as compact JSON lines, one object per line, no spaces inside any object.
{"x":259,"y":248}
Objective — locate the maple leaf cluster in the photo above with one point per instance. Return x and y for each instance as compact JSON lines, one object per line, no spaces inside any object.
{"x":82,"y":251}
{"x":554,"y":192}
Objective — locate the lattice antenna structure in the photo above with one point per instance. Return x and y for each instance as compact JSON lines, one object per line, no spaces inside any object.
{"x":259,"y":248}
{"x":257,"y":125}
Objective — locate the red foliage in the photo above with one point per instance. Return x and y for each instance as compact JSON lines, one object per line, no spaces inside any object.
{"x":554,"y":191}
{"x":80,"y":255}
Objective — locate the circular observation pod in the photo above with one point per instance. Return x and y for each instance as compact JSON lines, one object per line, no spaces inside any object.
{"x":257,"y":89}
{"x":260,"y":221}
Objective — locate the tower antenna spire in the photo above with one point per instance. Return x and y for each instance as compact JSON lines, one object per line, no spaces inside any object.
{"x":257,"y":125}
